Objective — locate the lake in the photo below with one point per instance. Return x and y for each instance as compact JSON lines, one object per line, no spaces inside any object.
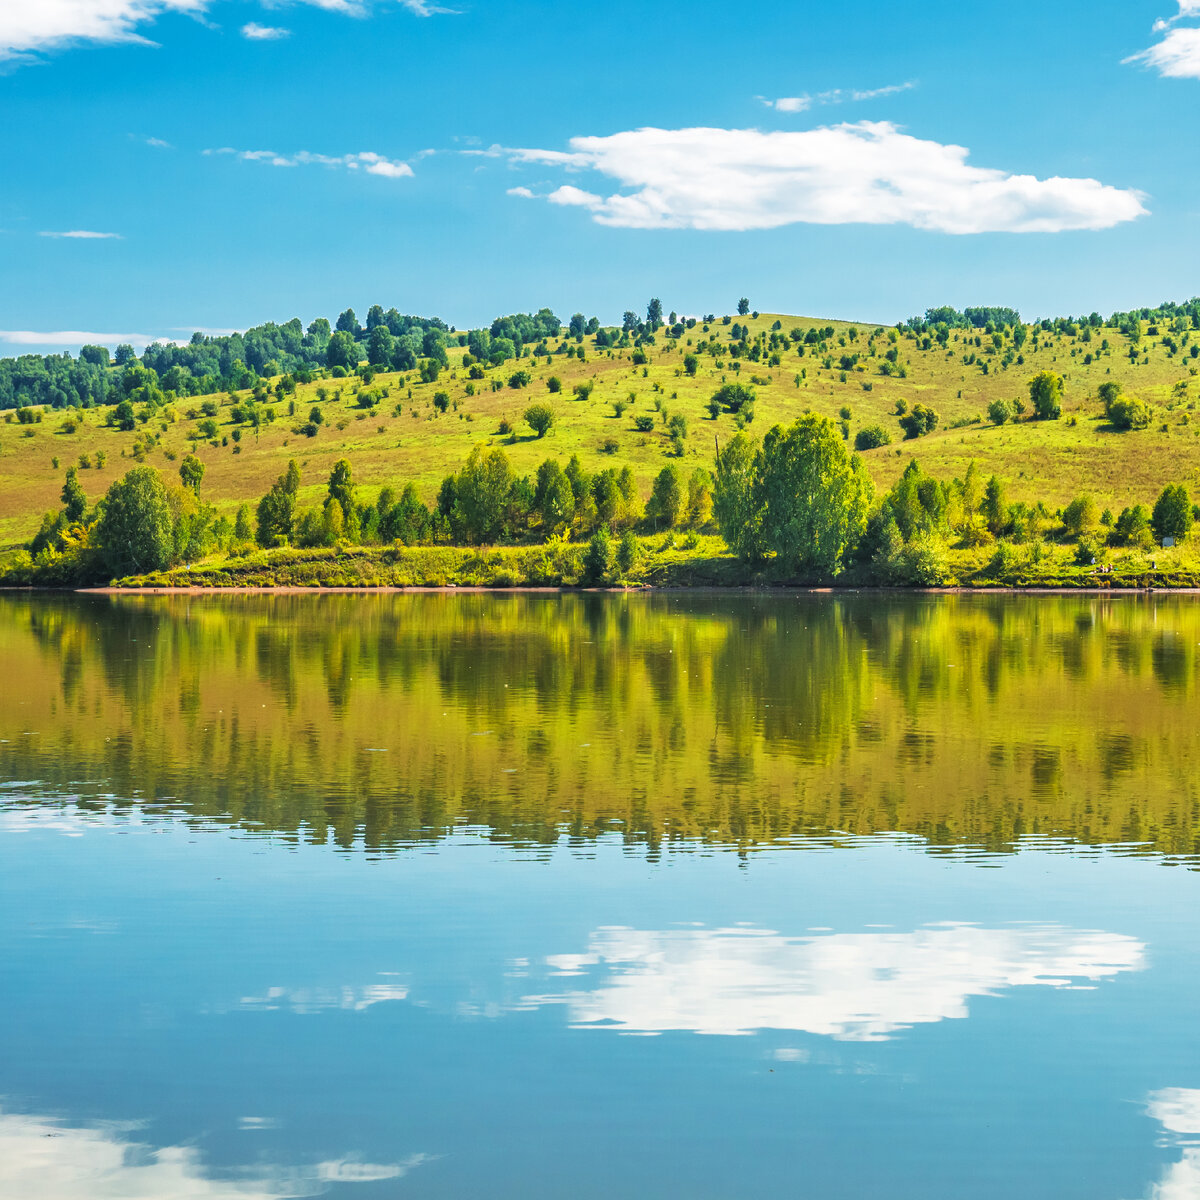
{"x":643,"y":896}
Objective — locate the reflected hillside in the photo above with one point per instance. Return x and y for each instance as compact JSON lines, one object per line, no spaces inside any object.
{"x":384,"y":720}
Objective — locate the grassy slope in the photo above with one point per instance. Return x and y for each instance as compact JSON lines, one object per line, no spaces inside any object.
{"x":1052,"y":461}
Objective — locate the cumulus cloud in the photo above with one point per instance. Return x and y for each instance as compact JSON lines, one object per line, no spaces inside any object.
{"x":86,"y":234}
{"x":1177,"y":55}
{"x":264,"y":33}
{"x":866,"y":172}
{"x":798,"y":104}
{"x":852,"y":987}
{"x":368,"y":161}
{"x":32,"y":27}
{"x":40,"y":1156}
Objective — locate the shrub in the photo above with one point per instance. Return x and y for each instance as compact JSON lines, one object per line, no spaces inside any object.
{"x":872,"y":437}
{"x":734,"y":396}
{"x":1000,"y":412}
{"x":643,"y":424}
{"x":1126,"y":413}
{"x":539,"y":417}
{"x":599,"y":559}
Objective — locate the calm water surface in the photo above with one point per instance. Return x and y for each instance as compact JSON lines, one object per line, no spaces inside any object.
{"x":585,"y":896}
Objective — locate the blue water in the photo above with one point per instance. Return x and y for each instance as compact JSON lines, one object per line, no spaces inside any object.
{"x":194,"y":1009}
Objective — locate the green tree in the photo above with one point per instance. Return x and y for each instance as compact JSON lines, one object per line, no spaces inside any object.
{"x":481,"y":496}
{"x":667,"y":498}
{"x":277,"y":509}
{"x":1081,"y":516}
{"x":342,"y":351}
{"x":243,"y":530}
{"x":341,"y":487}
{"x":691,"y":364}
{"x":628,"y":553}
{"x":995,"y":505}
{"x":734,"y":503}
{"x":872,"y":437}
{"x":539,"y":417}
{"x":734,"y":397}
{"x":1172,"y":516}
{"x":380,"y":347}
{"x":73,"y":499}
{"x":1126,"y":413}
{"x":743,"y":307}
{"x":654,"y":313}
{"x":191,"y":472}
{"x":1000,"y":412}
{"x":135,"y":534}
{"x":699,"y":499}
{"x":598,"y":560}
{"x":814,"y":495}
{"x":1045,"y":394}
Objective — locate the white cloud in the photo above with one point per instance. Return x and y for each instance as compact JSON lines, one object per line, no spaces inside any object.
{"x":264,"y":33}
{"x":854,"y":987}
{"x":71,"y":337}
{"x":42,"y":1157}
{"x":1177,"y":56}
{"x":158,"y":143}
{"x":1178,"y":1111}
{"x":372,"y":163}
{"x":798,"y":104}
{"x":866,"y":172}
{"x":523,"y":192}
{"x":31,"y":27}
{"x":87,"y":234}
{"x":312,"y":1000}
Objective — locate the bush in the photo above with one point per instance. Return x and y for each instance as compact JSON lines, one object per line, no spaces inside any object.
{"x":539,"y":417}
{"x":1045,"y":394}
{"x":1126,"y":413}
{"x":1000,"y":412}
{"x":734,"y":396}
{"x":920,"y":421}
{"x":872,"y":437}
{"x":628,"y":553}
{"x":643,"y":424}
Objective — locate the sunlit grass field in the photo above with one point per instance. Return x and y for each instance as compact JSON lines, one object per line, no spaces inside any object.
{"x":406,"y":438}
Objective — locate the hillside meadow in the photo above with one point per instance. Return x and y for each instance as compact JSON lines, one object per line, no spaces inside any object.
{"x":405,"y":437}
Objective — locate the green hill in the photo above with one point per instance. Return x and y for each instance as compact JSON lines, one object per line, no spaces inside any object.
{"x":397,"y":429}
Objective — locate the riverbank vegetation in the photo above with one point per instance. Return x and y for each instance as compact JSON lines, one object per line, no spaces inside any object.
{"x":710,"y":470}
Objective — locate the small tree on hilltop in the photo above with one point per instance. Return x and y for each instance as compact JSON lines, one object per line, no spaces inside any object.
{"x":743,"y":307}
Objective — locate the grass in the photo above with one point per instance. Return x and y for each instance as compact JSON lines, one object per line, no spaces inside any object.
{"x":1051,"y":461}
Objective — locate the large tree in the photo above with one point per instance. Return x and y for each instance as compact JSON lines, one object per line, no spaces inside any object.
{"x":814,"y":495}
{"x":134,"y":534}
{"x":481,"y":495}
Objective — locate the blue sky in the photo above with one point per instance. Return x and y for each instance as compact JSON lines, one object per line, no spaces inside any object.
{"x":262,"y":161}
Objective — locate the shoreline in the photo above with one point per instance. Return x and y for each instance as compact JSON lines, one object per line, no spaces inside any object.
{"x":714,"y":589}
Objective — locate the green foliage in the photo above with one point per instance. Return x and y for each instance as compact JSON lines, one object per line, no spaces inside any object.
{"x":599,"y":560}
{"x":191,"y":472}
{"x":539,"y":418}
{"x":872,"y":437}
{"x":1000,"y":412}
{"x":813,"y":494}
{"x":1132,"y":527}
{"x":629,"y":552}
{"x":1045,"y":395}
{"x":1127,"y":413}
{"x":1081,"y":516}
{"x":733,"y":397}
{"x":734,"y":503}
{"x":277,"y":509}
{"x":1172,"y":516}
{"x":73,"y":499}
{"x":919,"y":422}
{"x":481,"y":497}
{"x":667,"y":498}
{"x":134,"y":533}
